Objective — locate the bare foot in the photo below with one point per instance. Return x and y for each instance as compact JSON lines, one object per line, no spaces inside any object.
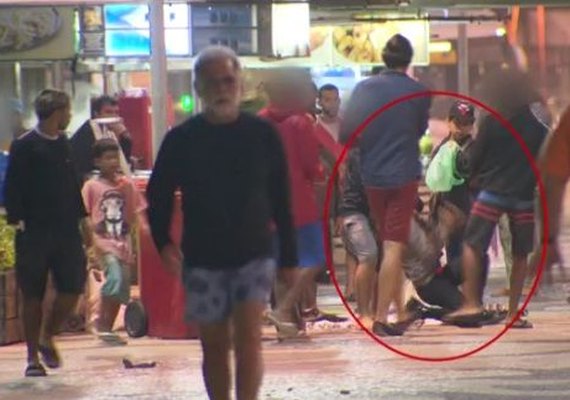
{"x":367,"y":322}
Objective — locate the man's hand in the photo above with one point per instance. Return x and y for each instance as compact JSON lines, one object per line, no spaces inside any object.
{"x":98,"y":275}
{"x":171,"y":257}
{"x":119,"y":129}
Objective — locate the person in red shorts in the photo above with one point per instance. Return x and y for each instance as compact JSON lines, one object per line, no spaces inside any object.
{"x":390,"y":167}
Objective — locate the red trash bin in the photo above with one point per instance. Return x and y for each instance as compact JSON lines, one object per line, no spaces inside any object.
{"x":161,"y":294}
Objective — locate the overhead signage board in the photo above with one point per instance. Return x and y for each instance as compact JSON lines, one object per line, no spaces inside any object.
{"x":37,"y":33}
{"x":363,"y":43}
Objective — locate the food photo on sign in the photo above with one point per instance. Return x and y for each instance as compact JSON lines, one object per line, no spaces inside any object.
{"x":36,"y":33}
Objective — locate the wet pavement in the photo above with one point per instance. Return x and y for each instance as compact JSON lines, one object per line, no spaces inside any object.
{"x":341,"y":363}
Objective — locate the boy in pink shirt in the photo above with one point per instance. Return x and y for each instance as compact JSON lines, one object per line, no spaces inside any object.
{"x":113,"y":203}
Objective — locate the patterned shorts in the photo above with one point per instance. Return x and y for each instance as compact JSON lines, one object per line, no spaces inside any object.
{"x":212,"y":294}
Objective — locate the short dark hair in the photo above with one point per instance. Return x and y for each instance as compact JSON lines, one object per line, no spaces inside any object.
{"x":104,"y":145}
{"x":327,"y":87}
{"x":398,"y":52}
{"x":50,"y":101}
{"x":98,"y":103}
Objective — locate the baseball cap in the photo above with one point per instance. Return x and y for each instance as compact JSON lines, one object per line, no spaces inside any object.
{"x":462,"y":113}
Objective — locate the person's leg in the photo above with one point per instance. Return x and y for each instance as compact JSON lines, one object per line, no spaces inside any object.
{"x":362,"y":249}
{"x":390,"y":279}
{"x":506,"y":243}
{"x":216,"y":344}
{"x":68,"y":266}
{"x":478,"y":235}
{"x":399,"y":206}
{"x":351,"y":267}
{"x":247,"y":342}
{"x":114,"y":292}
{"x":32,"y":276}
{"x":250,"y":289}
{"x":522,"y":230}
{"x":207,"y":303}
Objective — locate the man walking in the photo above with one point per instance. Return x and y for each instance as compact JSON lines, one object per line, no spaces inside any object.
{"x":390,"y":167}
{"x":232,"y":172}
{"x":43,"y":201}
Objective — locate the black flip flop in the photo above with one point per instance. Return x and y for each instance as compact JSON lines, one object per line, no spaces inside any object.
{"x":50,"y":355}
{"x":493,"y":317}
{"x":383,"y":330}
{"x":522,"y":324}
{"x":466,"y":320}
{"x":35,"y":371}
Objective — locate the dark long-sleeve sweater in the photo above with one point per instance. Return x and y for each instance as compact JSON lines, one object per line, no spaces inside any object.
{"x":41,"y":186}
{"x":234,"y":183}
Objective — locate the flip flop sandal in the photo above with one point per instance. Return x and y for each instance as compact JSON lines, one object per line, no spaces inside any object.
{"x":522,"y":324}
{"x":35,"y":371}
{"x":493,"y":317}
{"x":466,"y":320}
{"x":383,"y":330}
{"x":332,"y":318}
{"x":286,"y":329}
{"x":50,"y":355}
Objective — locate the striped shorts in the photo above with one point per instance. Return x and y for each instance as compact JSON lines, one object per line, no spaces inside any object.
{"x":485,"y":215}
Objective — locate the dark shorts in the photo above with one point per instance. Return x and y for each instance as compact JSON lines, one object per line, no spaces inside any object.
{"x":212,"y":294}
{"x":310,"y":245}
{"x":43,"y":250}
{"x":485,"y":216}
{"x":391,"y":210}
{"x":359,"y":239}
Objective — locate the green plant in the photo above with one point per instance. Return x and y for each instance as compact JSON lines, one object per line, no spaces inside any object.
{"x":7,"y":251}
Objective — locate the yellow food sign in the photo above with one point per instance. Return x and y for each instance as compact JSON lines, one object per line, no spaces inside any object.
{"x":363,"y":43}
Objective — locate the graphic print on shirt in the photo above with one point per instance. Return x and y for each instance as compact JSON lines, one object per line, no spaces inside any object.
{"x":113,"y":225}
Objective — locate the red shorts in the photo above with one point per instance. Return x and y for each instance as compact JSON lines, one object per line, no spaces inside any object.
{"x":391,"y":209}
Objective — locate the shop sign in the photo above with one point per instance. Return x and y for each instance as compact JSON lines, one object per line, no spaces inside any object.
{"x":37,"y":33}
{"x":362,"y":44}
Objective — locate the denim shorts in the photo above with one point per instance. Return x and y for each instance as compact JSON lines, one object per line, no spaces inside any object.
{"x":117,"y":279}
{"x":359,"y":239}
{"x":212,"y":294}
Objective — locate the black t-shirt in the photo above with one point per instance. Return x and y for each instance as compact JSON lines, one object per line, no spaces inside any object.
{"x":234,"y":183}
{"x":41,"y":183}
{"x":353,"y":196}
{"x":497,"y":160}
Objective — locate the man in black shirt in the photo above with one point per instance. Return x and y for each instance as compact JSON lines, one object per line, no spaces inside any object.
{"x":507,"y":184}
{"x":43,"y":200}
{"x":231,"y":170}
{"x":103,"y":107}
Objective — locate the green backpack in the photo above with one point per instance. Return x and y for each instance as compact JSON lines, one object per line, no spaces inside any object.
{"x":441,"y":174}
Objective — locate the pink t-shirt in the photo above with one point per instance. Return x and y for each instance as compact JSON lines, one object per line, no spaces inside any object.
{"x":112,"y":208}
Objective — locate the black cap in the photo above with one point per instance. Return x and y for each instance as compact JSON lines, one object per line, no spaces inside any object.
{"x":462,"y":113}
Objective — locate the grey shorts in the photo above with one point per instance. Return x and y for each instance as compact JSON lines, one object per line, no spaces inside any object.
{"x":212,"y":294}
{"x":359,"y":239}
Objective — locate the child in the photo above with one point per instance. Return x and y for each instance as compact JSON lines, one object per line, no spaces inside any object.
{"x":113,"y":203}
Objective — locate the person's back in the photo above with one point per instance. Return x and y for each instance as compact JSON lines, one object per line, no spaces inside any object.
{"x":498,"y":160}
{"x":301,"y":149}
{"x":389,"y":144}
